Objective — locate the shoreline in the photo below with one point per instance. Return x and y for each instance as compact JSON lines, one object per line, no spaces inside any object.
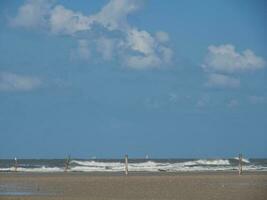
{"x":136,"y":173}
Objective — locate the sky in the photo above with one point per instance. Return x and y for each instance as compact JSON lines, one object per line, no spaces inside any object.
{"x":176,"y":79}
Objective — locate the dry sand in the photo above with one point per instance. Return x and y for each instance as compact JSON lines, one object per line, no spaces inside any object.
{"x":163,"y":186}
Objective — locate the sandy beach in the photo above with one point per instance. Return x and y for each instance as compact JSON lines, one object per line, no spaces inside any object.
{"x":145,"y":186}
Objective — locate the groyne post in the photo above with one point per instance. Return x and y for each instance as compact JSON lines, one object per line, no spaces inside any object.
{"x":240,"y":164}
{"x":126,"y":164}
{"x":16,"y":164}
{"x":67,"y":163}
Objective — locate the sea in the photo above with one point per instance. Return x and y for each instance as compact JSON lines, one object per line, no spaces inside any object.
{"x":134,"y":165}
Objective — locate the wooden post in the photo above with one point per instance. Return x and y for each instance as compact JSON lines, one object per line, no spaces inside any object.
{"x":67,"y":163}
{"x":240,"y":164}
{"x":16,"y":164}
{"x":126,"y":164}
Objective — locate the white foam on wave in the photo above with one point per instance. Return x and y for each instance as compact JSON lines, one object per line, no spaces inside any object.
{"x":167,"y":168}
{"x":38,"y":169}
{"x":147,"y":166}
{"x":150,"y":166}
{"x":97,"y":164}
{"x":212,"y":162}
{"x":244,"y":160}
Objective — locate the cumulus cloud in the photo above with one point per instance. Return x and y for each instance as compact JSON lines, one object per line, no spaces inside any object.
{"x":222,"y":81}
{"x":33,"y":13}
{"x":141,"y":41}
{"x":151,"y":53}
{"x":225,"y":59}
{"x":114,"y":14}
{"x":223,"y":62}
{"x":15,"y":82}
{"x":137,"y":49}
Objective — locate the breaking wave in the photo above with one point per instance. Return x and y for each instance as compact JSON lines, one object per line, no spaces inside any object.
{"x":36,"y":169}
{"x":142,"y":166}
{"x":244,"y":160}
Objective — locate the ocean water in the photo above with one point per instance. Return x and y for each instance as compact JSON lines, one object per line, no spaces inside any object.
{"x":135,"y":165}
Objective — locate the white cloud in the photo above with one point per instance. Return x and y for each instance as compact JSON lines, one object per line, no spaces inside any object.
{"x":32,"y":14}
{"x":226,"y":59}
{"x":15,"y":82}
{"x":66,"y":21}
{"x":222,"y":81}
{"x":114,"y":15}
{"x":141,"y":41}
{"x":59,"y":19}
{"x":151,"y":53}
{"x":135,"y":48}
{"x":223,"y":62}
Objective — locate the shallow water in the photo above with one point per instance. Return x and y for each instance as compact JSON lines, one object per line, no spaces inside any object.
{"x":14,"y":193}
{"x":18,"y":190}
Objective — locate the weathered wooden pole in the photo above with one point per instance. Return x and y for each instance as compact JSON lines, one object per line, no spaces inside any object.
{"x":67,"y":163}
{"x":126,"y":164}
{"x":16,"y":164}
{"x":240,"y":164}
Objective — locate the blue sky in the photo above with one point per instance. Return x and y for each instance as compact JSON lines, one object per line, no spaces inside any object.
{"x":109,"y":77}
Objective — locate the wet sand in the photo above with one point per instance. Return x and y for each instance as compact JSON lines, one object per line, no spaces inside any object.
{"x":143,"y":186}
